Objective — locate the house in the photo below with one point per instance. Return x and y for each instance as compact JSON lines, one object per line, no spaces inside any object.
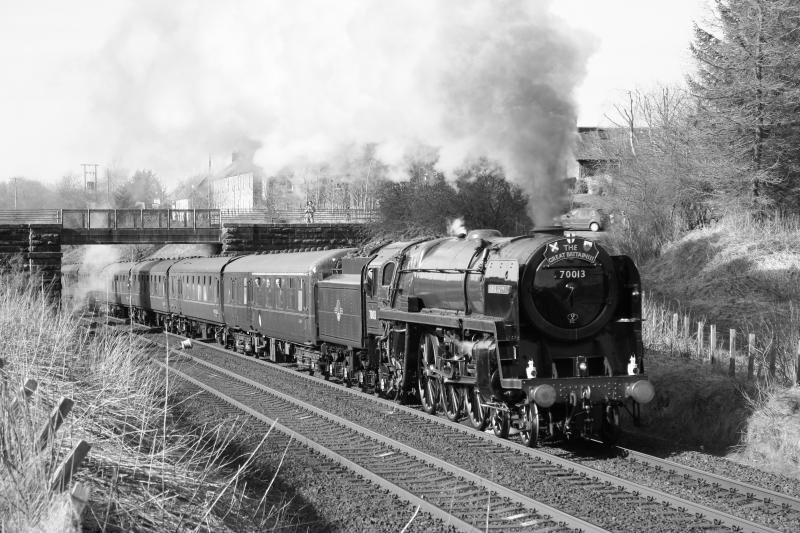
{"x":599,"y":152}
{"x":241,"y":185}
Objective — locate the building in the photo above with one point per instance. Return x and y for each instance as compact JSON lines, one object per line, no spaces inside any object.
{"x":241,"y":185}
{"x":599,"y":153}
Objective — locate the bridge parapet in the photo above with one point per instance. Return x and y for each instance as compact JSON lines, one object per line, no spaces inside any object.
{"x":139,"y":218}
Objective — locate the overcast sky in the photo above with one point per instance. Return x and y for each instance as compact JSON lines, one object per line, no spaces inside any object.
{"x":164,"y":85}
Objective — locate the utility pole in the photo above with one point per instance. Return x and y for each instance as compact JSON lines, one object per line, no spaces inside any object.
{"x":15,"y":191}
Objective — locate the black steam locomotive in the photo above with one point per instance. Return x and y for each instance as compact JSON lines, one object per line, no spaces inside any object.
{"x":538,"y":333}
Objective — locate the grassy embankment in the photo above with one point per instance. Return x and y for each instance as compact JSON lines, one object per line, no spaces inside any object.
{"x":735,"y":274}
{"x":146,"y":470}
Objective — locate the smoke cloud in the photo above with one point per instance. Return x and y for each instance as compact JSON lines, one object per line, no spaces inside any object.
{"x":302,"y":80}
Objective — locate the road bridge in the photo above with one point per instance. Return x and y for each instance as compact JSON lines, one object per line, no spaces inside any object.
{"x":33,"y":238}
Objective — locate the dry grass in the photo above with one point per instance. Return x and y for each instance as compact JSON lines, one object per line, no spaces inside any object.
{"x":772,"y":438}
{"x":741,"y":274}
{"x":145,"y":472}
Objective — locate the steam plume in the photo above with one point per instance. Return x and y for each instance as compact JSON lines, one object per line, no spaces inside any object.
{"x":303,"y":79}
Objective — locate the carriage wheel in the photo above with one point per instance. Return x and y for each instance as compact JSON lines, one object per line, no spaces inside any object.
{"x":610,"y":428}
{"x":500,"y":422}
{"x":478,"y":415}
{"x":428,"y":387}
{"x":530,"y":418}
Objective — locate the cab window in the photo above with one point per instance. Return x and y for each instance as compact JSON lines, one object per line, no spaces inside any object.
{"x":388,"y":272}
{"x":372,"y":275}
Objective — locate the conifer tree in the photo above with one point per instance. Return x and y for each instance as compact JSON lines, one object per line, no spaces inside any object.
{"x":747,"y":84}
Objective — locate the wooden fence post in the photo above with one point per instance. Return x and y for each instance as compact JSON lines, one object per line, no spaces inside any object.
{"x":751,"y":354}
{"x":700,"y":328}
{"x":57,"y":417}
{"x":732,"y":352}
{"x":712,"y":343}
{"x":674,"y":331}
{"x":797,"y":368}
{"x":25,"y":392}
{"x":68,"y":466}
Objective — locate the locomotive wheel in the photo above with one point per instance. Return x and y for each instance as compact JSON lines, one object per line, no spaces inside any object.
{"x":500,"y":422}
{"x":530,"y":415}
{"x":451,"y":402}
{"x":478,"y":416}
{"x":428,"y":387}
{"x":610,"y":429}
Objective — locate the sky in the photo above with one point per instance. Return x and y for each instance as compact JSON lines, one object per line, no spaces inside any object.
{"x":172,"y":86}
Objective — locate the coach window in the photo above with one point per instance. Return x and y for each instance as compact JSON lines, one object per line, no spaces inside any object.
{"x":245,"y":286}
{"x":300,"y":295}
{"x":388,"y":272}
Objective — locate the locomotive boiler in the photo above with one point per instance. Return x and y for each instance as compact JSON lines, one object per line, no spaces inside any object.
{"x":538,"y":335}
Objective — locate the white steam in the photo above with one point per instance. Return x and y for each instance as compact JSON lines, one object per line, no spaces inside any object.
{"x":304,"y":79}
{"x":456,"y":228}
{"x":94,"y":259}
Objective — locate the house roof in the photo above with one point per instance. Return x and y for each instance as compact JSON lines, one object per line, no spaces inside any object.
{"x":603,"y":144}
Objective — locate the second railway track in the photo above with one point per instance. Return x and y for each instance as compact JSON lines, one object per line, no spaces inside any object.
{"x":608,"y":501}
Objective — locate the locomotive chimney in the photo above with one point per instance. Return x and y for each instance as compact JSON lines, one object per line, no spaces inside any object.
{"x":485,"y":234}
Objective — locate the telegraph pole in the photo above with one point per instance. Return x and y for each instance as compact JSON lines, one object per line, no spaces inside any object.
{"x":15,"y":192}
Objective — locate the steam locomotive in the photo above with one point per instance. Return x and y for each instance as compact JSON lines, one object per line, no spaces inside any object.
{"x":537,"y":334}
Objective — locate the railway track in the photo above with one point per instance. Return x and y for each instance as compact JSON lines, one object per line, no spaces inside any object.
{"x":734,"y":487}
{"x":725,"y":493}
{"x":531,"y":475}
{"x":454,"y":495}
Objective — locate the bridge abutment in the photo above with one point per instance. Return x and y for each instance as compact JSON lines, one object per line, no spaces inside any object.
{"x":35,"y":249}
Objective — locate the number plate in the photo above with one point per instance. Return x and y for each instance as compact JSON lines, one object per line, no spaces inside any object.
{"x":499,"y":289}
{"x":570,"y":273}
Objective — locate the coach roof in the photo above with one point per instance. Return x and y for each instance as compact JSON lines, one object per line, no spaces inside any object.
{"x":193,"y":265}
{"x":288,"y":263}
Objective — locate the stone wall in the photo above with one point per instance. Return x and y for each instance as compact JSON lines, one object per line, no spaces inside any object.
{"x":34,"y":249}
{"x":242,"y":238}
